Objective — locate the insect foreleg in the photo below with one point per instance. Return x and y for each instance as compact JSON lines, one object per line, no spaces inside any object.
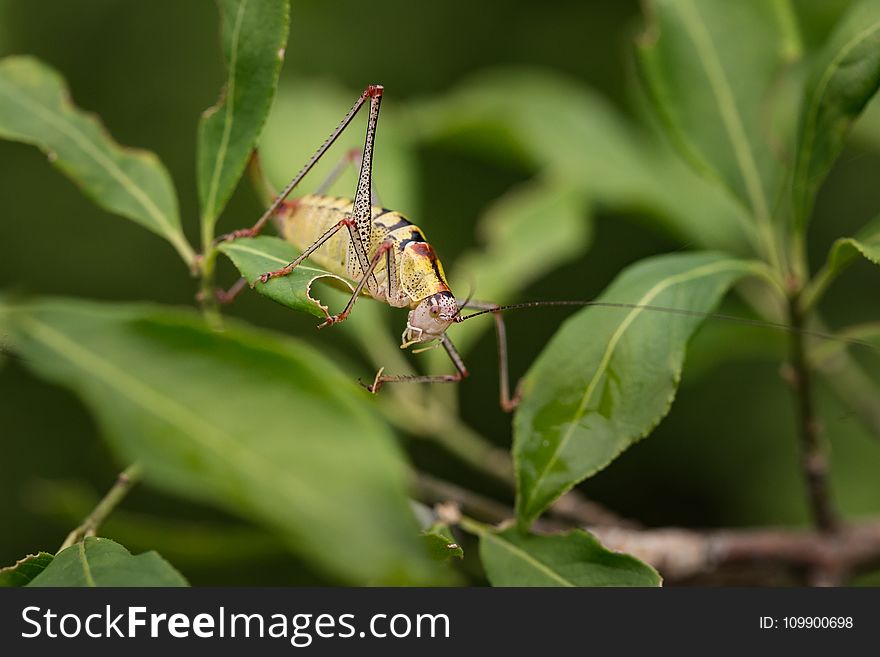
{"x":461,"y":371}
{"x":228,"y":296}
{"x":508,"y":403}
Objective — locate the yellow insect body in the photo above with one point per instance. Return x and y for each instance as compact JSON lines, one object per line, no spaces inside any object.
{"x":416,"y":272}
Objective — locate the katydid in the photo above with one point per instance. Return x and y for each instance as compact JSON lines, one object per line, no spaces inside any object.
{"x":389,"y":259}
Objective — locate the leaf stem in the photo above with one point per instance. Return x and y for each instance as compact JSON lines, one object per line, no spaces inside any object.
{"x":207,"y":299}
{"x":814,"y":460}
{"x":473,"y":526}
{"x":435,"y":491}
{"x":126,"y":479}
{"x":816,"y":287}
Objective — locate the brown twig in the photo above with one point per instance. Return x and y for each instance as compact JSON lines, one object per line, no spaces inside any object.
{"x":570,"y":509}
{"x":758,"y":556}
{"x":434,"y":491}
{"x":814,"y":461}
{"x":105,"y":507}
{"x":682,"y":554}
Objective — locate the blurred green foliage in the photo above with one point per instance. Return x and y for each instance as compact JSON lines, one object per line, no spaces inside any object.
{"x":457,"y":135}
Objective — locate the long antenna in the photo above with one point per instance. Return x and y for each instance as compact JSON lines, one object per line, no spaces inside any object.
{"x":677,"y":311}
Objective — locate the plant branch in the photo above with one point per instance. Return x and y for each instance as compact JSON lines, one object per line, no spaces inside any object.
{"x":685,"y":554}
{"x":126,"y":479}
{"x":681,"y":554}
{"x":437,"y":491}
{"x":570,"y":509}
{"x":814,"y":460}
{"x":206,"y":295}
{"x":815,"y":288}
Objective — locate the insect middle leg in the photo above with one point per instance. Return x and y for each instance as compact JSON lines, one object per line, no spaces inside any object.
{"x":367,"y":279}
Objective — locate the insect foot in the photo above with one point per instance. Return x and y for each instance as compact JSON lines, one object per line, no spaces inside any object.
{"x":284,"y":271}
{"x":237,"y":234}
{"x":377,"y":382}
{"x":333,"y":319}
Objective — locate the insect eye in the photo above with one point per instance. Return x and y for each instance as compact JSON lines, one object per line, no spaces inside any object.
{"x":434,"y":310}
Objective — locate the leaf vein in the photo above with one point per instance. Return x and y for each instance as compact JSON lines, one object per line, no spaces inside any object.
{"x":95,"y":153}
{"x":232,"y":246}
{"x":87,"y":570}
{"x":528,"y":558}
{"x":218,"y":442}
{"x":228,"y":118}
{"x":833,"y":65}
{"x":645,"y":300}
{"x":729,"y":112}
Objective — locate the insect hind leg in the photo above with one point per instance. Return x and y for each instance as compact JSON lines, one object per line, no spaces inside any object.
{"x":352,"y":157}
{"x":372,"y":93}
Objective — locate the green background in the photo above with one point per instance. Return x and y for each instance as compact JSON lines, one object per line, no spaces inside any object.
{"x":725,"y":456}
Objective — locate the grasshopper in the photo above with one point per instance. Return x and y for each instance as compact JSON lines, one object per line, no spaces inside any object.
{"x":386,"y":255}
{"x":388,"y":258}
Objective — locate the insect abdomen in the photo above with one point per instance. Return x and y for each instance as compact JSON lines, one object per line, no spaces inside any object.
{"x":417,"y":269}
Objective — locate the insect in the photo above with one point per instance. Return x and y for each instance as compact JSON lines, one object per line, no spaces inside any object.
{"x":388,"y":258}
{"x":386,"y":255}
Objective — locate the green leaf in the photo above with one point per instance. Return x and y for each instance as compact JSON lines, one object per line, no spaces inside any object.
{"x":255,"y":256}
{"x":711,"y":91}
{"x":844,"y":78}
{"x":840,"y":256}
{"x":512,"y":558}
{"x":304,"y":115}
{"x":254,"y":35}
{"x":24,"y":570}
{"x":35,"y":108}
{"x":101,"y":562}
{"x":574,"y":136}
{"x":262,"y":426}
{"x":849,"y":379}
{"x":609,"y":376}
{"x":440,"y":543}
{"x":865,"y":131}
{"x":221,"y":543}
{"x":527,"y":233}
{"x":845,"y":249}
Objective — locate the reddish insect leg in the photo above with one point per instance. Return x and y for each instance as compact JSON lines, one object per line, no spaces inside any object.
{"x":460,"y":373}
{"x":380,"y":253}
{"x":373,"y":91}
{"x":508,"y":403}
{"x":284,"y":271}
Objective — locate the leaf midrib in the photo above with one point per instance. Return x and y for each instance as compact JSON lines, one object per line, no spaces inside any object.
{"x":102,"y":160}
{"x":84,"y":561}
{"x":727,"y":107}
{"x":235,"y":246}
{"x":219,"y":162}
{"x":630,"y":317}
{"x":815,"y":99}
{"x":212,"y":437}
{"x":528,"y":558}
